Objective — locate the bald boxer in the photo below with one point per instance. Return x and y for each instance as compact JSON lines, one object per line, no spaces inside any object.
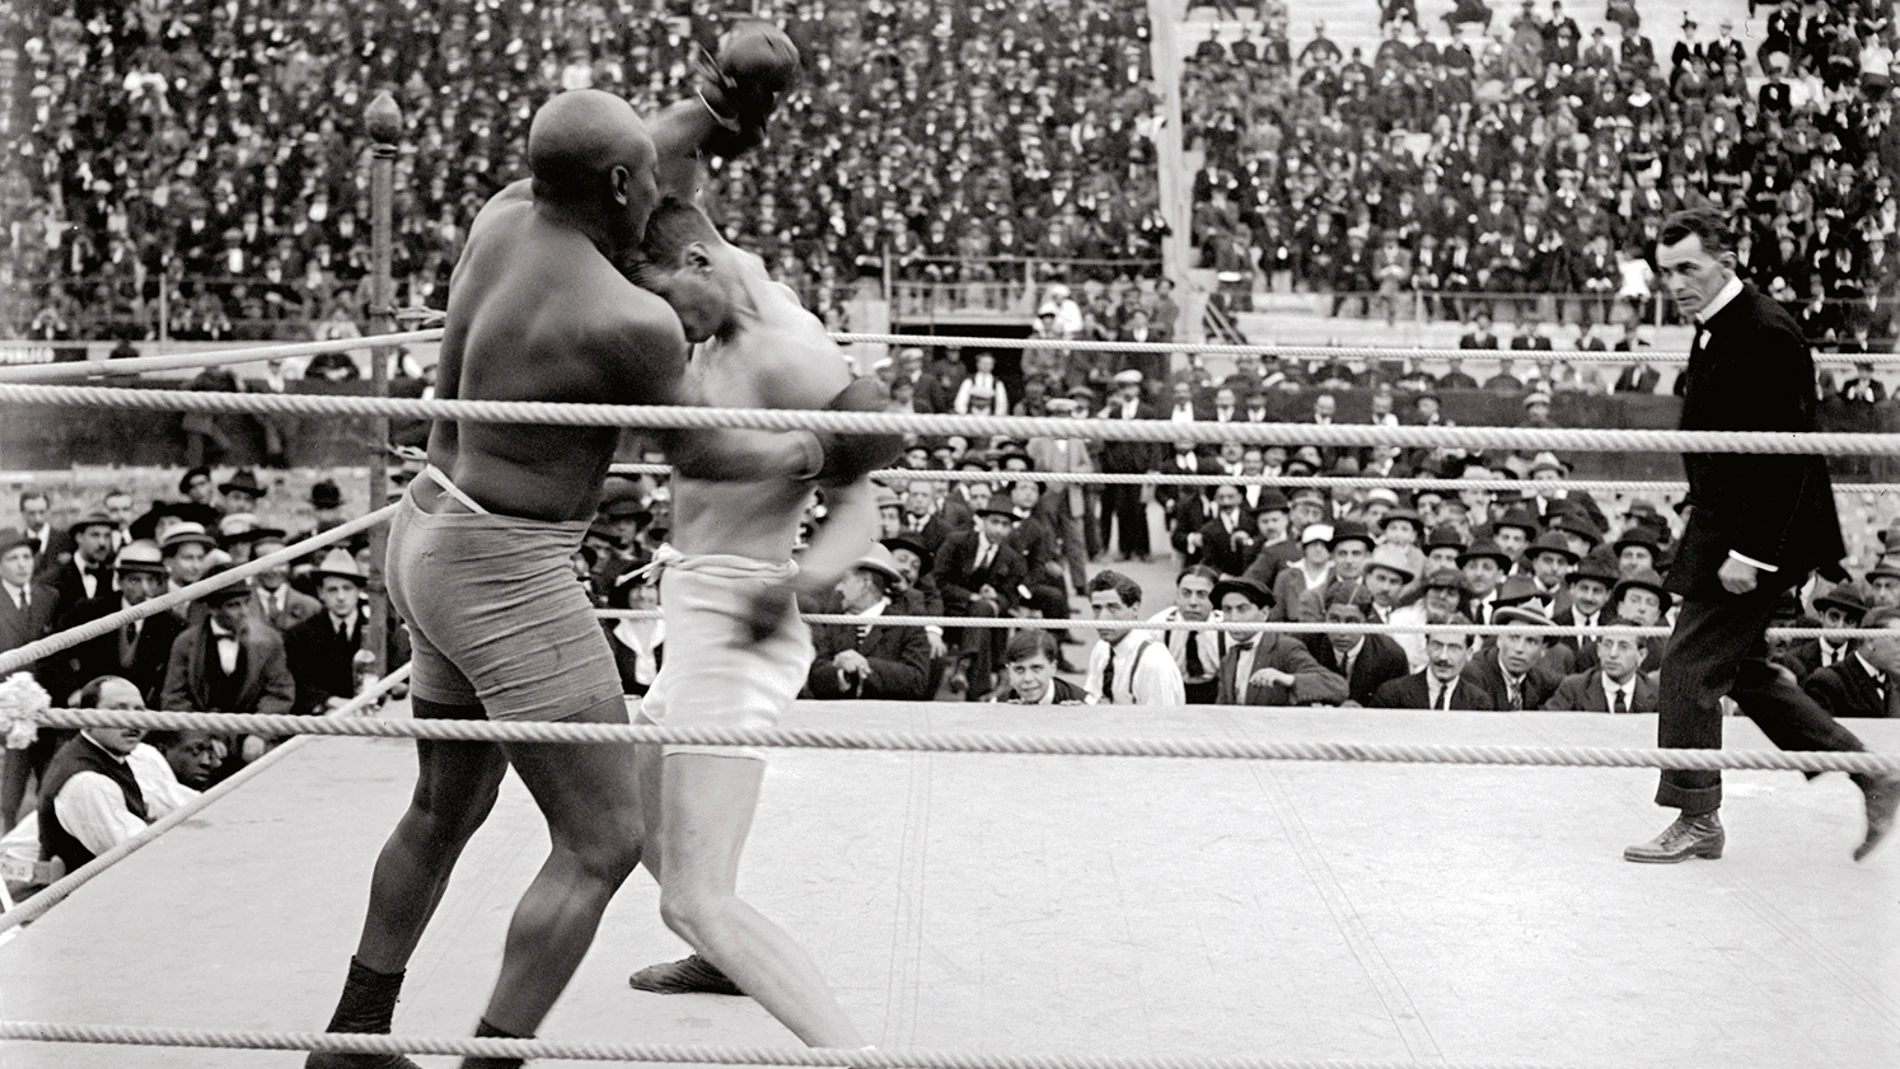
{"x":478,"y":554}
{"x":737,"y":650}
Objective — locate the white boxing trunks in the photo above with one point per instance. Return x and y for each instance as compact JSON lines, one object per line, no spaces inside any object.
{"x":715,"y":674}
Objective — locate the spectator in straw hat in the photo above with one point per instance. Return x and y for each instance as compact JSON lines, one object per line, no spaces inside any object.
{"x":870,"y":659}
{"x":186,"y":549}
{"x":326,"y":652}
{"x":138,"y":651}
{"x":227,"y":663}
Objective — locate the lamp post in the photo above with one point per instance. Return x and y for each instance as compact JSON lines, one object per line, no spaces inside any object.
{"x":383,"y":122}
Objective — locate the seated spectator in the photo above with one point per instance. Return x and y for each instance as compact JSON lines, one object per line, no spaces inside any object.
{"x":1365,"y":661}
{"x":1485,"y":566}
{"x":1263,"y":668}
{"x":1637,"y":550}
{"x":226,"y":663}
{"x":1615,"y":685}
{"x":1863,"y":388}
{"x":1587,"y":591}
{"x":1029,"y":666}
{"x":1196,"y":653}
{"x":1842,"y":607}
{"x":1510,"y":669}
{"x":326,"y":652}
{"x":104,"y":786}
{"x":869,"y":660}
{"x":139,"y":651}
{"x":1441,"y":683}
{"x":1128,"y":666}
{"x":278,"y":604}
{"x":192,"y":754}
{"x":980,"y":574}
{"x":1303,"y":581}
{"x":1863,"y":682}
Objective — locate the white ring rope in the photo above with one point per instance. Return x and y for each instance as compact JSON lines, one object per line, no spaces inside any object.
{"x":988,"y":742}
{"x":57,"y":891}
{"x":206,"y":358}
{"x":21,"y":656}
{"x":1156,"y":431}
{"x":1264,"y":627}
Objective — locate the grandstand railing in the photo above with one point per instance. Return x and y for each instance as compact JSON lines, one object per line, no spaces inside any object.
{"x":923,"y":288}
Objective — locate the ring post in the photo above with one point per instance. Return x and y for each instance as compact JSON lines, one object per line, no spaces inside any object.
{"x":383,"y":122}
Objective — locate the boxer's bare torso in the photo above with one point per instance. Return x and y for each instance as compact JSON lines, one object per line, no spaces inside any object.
{"x":779,"y":357}
{"x":537,"y":313}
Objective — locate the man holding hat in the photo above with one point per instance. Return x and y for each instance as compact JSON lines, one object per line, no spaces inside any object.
{"x":138,"y":651}
{"x":869,"y":660}
{"x":89,"y":573}
{"x":1264,"y":668}
{"x":226,"y":663}
{"x":1125,"y":507}
{"x":325,"y":651}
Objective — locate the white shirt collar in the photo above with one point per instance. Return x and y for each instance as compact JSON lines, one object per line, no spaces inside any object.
{"x":1354,"y":652}
{"x":1611,"y":687}
{"x":218,"y":630}
{"x":876,"y":609}
{"x":1727,"y":293}
{"x":1876,"y":674}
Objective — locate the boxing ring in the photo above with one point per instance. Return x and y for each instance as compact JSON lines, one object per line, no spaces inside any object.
{"x":988,"y":887}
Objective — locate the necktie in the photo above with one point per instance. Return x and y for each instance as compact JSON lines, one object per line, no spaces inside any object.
{"x":1517,"y":695}
{"x":1444,"y":698}
{"x":1622,"y":701}
{"x":1108,"y":676}
{"x":1195,"y":668}
{"x":128,"y":643}
{"x":26,"y":597}
{"x":1345,"y":669}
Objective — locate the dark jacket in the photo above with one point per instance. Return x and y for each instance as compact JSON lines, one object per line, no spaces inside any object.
{"x":1485,"y":672}
{"x":70,"y":589}
{"x":1583,"y":693}
{"x":19,"y":627}
{"x":1845,"y":689}
{"x":323,"y":664}
{"x":263,"y":682}
{"x":1412,"y":692}
{"x":1380,"y":661}
{"x":100,"y":657}
{"x":1311,"y":683}
{"x":899,"y":657}
{"x":959,"y":579}
{"x":1754,"y":373}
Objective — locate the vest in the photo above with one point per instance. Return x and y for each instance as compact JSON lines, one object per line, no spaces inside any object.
{"x":80,"y":755}
{"x":223,"y":690}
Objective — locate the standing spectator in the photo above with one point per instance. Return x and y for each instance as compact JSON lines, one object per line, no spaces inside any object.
{"x":325,"y":652}
{"x":1124,"y":507}
{"x":979,"y":574}
{"x":1066,"y":503}
{"x":51,"y":547}
{"x":869,"y":660}
{"x":26,"y":613}
{"x":1127,"y":667}
{"x":88,"y":573}
{"x":279,"y":605}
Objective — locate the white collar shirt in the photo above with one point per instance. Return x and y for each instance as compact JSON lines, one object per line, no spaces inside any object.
{"x":227,"y":648}
{"x":1612,"y":688}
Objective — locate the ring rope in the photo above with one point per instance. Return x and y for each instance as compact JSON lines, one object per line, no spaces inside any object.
{"x":205,"y":358}
{"x":1267,"y":627}
{"x":568,"y":1050}
{"x":22,"y":656}
{"x":985,"y":742}
{"x":57,"y":891}
{"x":1114,"y":430}
{"x":1289,"y":482}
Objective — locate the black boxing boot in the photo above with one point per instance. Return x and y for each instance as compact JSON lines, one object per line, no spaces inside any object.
{"x":367,"y":1006}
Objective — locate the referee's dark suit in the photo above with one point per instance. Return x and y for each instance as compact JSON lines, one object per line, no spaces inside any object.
{"x":1749,"y":370}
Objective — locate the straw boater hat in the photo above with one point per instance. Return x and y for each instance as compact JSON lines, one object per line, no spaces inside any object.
{"x":140,"y":556}
{"x":185,"y":533}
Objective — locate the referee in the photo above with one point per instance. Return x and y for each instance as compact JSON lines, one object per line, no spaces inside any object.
{"x":1756,"y":526}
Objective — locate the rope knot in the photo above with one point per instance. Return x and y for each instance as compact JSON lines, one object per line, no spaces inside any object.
{"x":22,"y":701}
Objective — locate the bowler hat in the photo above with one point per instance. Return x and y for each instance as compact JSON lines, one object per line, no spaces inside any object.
{"x":1599,"y":565}
{"x":1350,"y":531}
{"x":1644,"y":579}
{"x":1253,"y":590}
{"x":1402,"y":516}
{"x":925,"y":558}
{"x":229,"y":592}
{"x":1638,"y":536}
{"x":1271,"y":500}
{"x":1444,"y":537}
{"x":1845,"y":597}
{"x":1552,"y":542}
{"x":326,"y":495}
{"x":90,"y":519}
{"x":244,"y":482}
{"x":1520,"y":519}
{"x":13,"y":538}
{"x":1482,"y":549}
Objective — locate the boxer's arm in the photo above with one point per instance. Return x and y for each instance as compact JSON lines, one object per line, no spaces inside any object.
{"x":843,"y":539}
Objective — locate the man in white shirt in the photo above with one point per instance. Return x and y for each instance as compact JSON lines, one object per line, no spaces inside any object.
{"x":1128,"y":667}
{"x":1196,"y":653}
{"x":104,"y":786}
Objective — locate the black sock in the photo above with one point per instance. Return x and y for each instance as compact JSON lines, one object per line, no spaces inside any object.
{"x":484,"y":1030}
{"x":368,"y":1002}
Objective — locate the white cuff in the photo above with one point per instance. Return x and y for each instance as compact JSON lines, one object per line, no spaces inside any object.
{"x":1752,"y":562}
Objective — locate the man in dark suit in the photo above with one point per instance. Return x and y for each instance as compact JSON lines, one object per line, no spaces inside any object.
{"x":1510,"y":668}
{"x":1367,"y":662}
{"x":51,"y":546}
{"x":26,"y":615}
{"x":1441,"y":683}
{"x":88,"y":574}
{"x":931,"y":516}
{"x":1757,"y":525}
{"x":869,"y":660}
{"x":137,"y":652}
{"x":1863,"y":683}
{"x":1122,"y":505}
{"x":229,"y":663}
{"x":980,"y":575}
{"x":1841,"y":607}
{"x":1265,"y":668}
{"x":325,"y":651}
{"x":1615,"y":685}
{"x":1227,"y":538}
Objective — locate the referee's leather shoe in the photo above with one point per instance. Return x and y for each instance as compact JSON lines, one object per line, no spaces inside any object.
{"x":1689,"y":837}
{"x":1883,"y":799}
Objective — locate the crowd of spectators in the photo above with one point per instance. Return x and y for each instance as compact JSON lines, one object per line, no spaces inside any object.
{"x":1536,"y":164}
{"x":212,"y":151}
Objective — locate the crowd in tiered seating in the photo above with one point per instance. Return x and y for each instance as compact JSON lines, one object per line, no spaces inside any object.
{"x":214,"y":151}
{"x":1539,"y":164}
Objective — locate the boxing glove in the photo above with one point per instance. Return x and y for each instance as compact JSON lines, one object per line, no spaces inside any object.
{"x":742,"y":82}
{"x":848,"y":457}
